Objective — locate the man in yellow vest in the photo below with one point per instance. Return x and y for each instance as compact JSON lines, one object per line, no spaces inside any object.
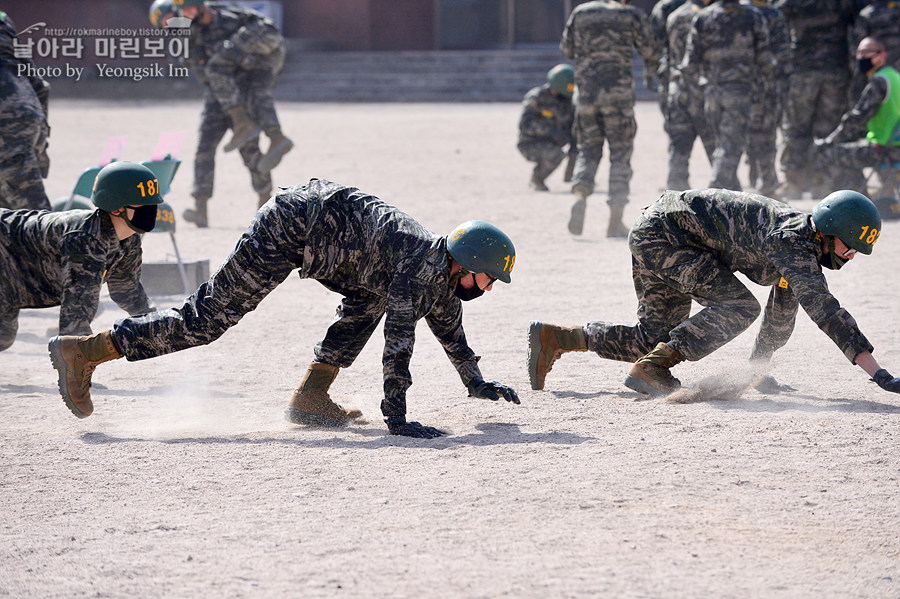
{"x":842,"y":154}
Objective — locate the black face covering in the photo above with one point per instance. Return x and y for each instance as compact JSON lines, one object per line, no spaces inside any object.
{"x":831,"y":260}
{"x":467,"y":294}
{"x":864,"y":65}
{"x":144,"y":218}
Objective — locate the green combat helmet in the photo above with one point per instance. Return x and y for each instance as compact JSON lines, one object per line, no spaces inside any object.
{"x":851,"y":217}
{"x":179,"y":4}
{"x":479,"y":246}
{"x":159,"y":9}
{"x":122,"y":184}
{"x":562,"y":79}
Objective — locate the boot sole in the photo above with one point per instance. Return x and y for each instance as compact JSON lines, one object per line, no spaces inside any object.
{"x":642,"y":386}
{"x":534,"y":350}
{"x":59,"y":364}
{"x":576,"y":220}
{"x":234,"y":144}
{"x":273,"y":157}
{"x":296,"y":416}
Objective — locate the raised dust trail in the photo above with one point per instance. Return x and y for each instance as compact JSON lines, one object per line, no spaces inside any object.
{"x":719,"y":387}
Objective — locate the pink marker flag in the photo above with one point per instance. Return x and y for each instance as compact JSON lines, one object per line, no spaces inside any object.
{"x":168,"y":146}
{"x":115,"y":147}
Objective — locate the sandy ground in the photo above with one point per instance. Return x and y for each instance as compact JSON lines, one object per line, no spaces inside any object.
{"x":187,"y":482}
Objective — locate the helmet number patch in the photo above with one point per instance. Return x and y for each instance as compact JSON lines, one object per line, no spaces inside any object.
{"x":152,"y":188}
{"x":872,"y":235}
{"x":457,"y":234}
{"x":510,"y":262}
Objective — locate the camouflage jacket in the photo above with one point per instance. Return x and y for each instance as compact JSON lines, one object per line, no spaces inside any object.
{"x":819,"y":33}
{"x":881,"y":20}
{"x":63,"y":258}
{"x":355,"y":241}
{"x":546,"y":116}
{"x":659,"y":16}
{"x":8,"y":59}
{"x":779,"y":35}
{"x":728,"y":44}
{"x":853,"y":125}
{"x":771,"y":244}
{"x":245,"y":35}
{"x":678,"y":26}
{"x":600,"y":36}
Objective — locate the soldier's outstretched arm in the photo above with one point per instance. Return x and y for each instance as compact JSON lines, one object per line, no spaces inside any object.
{"x":882,"y":377}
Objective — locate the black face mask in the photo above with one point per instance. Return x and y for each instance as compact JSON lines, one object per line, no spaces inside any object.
{"x":864,"y":65}
{"x":831,"y":260}
{"x":467,"y":294}
{"x":144,"y":218}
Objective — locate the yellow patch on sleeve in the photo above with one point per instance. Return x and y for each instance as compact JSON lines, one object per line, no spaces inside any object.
{"x":783,"y":283}
{"x":547,"y":114}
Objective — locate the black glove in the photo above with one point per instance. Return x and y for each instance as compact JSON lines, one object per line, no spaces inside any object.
{"x":886,"y":381}
{"x":768,"y":384}
{"x":491,"y":390}
{"x":397,"y":425}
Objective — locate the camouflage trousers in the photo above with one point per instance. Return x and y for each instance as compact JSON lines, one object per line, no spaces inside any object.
{"x":816,"y":100}
{"x":270,"y":249}
{"x":545,"y":153}
{"x":247,"y":80}
{"x":9,"y":308}
{"x":844,"y":163}
{"x":23,"y":141}
{"x":668,"y":275}
{"x":214,"y":124}
{"x":727,"y":110}
{"x":765,"y":116}
{"x":685,"y":122}
{"x":615,"y":125}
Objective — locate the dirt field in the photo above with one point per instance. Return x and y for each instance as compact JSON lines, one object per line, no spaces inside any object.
{"x":187,"y":482}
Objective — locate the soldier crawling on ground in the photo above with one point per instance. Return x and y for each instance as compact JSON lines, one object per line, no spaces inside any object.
{"x":687,"y":246}
{"x":384,"y":263}
{"x":545,"y":126}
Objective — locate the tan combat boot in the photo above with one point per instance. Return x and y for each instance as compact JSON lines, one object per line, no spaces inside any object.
{"x":650,"y":374}
{"x":311,"y":403}
{"x":546,"y":343}
{"x":243,"y":127}
{"x":279,"y":145}
{"x":576,"y":219}
{"x":75,"y":359}
{"x":537,"y":183}
{"x":198,"y":214}
{"x":616,"y":227}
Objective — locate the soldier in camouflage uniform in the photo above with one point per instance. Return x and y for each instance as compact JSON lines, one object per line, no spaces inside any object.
{"x":23,"y":128}
{"x":687,"y":246}
{"x":600,"y":36}
{"x":685,"y":120}
{"x":817,"y":88}
{"x":237,"y":54}
{"x":728,"y":50}
{"x":383,"y":262}
{"x":659,"y":16}
{"x":869,"y":134}
{"x":879,"y":20}
{"x":63,"y":258}
{"x":768,"y":103}
{"x":545,"y":126}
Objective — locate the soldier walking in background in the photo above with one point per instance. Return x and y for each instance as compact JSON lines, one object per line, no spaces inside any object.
{"x":686,"y":248}
{"x":237,"y":54}
{"x":728,"y":51}
{"x":63,"y":258}
{"x":23,"y":127}
{"x":545,"y":126}
{"x":600,"y":36}
{"x":768,"y":103}
{"x":817,"y":88}
{"x":685,"y":120}
{"x":659,"y":16}
{"x":383,"y":262}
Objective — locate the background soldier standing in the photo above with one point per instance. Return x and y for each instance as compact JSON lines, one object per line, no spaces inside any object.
{"x":818,"y":86}
{"x":23,"y":128}
{"x":237,"y":54}
{"x":728,"y":49}
{"x":63,"y":258}
{"x":383,"y":262}
{"x":879,"y":20}
{"x":685,"y":119}
{"x":545,"y":126}
{"x":687,"y":246}
{"x":600,"y":36}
